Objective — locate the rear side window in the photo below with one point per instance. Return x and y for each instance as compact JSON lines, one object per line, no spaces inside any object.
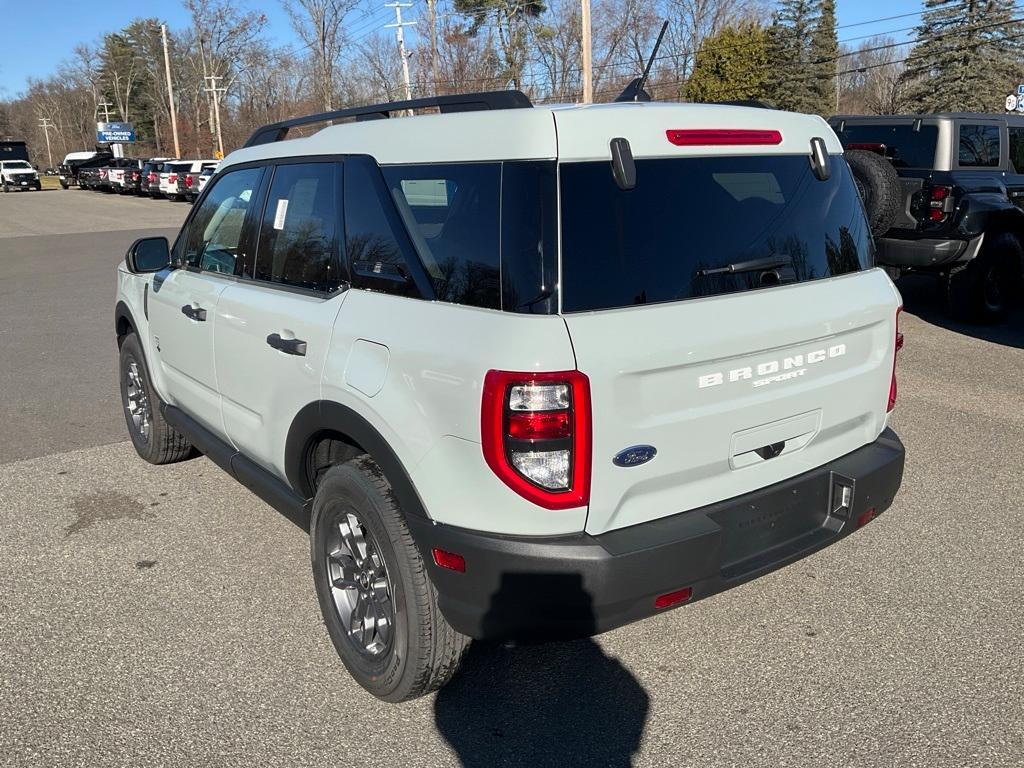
{"x":452,"y":212}
{"x":696,"y":227}
{"x":979,"y":146}
{"x":901,"y":144}
{"x":1017,"y":148}
{"x":299,"y":235}
{"x":376,"y":248}
{"x":214,"y":237}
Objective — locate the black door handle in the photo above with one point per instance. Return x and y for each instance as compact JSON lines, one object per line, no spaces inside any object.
{"x":194,"y":313}
{"x":288,"y":346}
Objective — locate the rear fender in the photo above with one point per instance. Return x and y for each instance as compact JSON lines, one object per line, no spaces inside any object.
{"x":988,"y":212}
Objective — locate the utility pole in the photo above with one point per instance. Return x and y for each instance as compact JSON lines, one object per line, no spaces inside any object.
{"x":215,"y":91}
{"x":46,"y":125}
{"x":588,"y":56}
{"x":170,"y":91}
{"x":106,"y":110}
{"x":432,"y":12}
{"x":400,"y":35}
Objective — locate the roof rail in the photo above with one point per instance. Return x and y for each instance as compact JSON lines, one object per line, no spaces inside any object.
{"x":469,"y":102}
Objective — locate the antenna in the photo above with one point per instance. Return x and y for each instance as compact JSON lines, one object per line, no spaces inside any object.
{"x":635,"y":90}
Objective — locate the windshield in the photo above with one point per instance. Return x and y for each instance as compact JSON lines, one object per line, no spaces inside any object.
{"x":901,"y":144}
{"x":705,"y":226}
{"x":19,"y":165}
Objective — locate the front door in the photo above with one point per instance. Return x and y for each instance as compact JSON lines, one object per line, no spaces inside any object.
{"x":183,"y":307}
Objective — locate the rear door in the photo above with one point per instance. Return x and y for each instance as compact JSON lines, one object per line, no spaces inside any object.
{"x":726,"y":313}
{"x":183,"y":306}
{"x":274,"y":330}
{"x":1015,"y":168}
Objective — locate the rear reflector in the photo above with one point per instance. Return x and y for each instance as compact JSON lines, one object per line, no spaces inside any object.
{"x":866,"y":517}
{"x":673,"y":598}
{"x":722,"y":137}
{"x":449,"y":560}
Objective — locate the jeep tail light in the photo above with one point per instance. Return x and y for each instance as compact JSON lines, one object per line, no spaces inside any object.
{"x":718,"y":137}
{"x":896,"y":350}
{"x":535,"y":429}
{"x":940,"y":203}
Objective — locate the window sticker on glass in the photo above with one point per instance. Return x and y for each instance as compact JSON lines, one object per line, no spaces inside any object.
{"x":282,"y":212}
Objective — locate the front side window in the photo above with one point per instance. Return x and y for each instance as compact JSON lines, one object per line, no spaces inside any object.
{"x":214,"y":238}
{"x":299,"y":236}
{"x":979,"y":146}
{"x":452,"y":213}
{"x":697,"y":227}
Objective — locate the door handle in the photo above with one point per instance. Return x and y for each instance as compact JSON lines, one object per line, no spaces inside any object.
{"x":288,"y":346}
{"x":194,"y":313}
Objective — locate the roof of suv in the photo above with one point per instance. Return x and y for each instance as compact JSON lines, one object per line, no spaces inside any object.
{"x":582,"y":133}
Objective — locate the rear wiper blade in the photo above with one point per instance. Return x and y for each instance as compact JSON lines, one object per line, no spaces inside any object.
{"x":772,"y":262}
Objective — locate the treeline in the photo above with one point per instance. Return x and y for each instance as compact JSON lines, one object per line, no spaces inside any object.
{"x":966,"y":55}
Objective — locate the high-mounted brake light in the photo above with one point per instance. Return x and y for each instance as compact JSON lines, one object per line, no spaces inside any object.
{"x":722,"y":137}
{"x":535,"y":430}
{"x":896,"y":350}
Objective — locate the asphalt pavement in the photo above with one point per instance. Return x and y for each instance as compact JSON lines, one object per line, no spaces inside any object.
{"x":164,"y":616}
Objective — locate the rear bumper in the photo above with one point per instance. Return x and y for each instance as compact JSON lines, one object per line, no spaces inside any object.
{"x":924,"y":253}
{"x":580,"y":585}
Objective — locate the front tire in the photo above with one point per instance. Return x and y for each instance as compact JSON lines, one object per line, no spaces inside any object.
{"x":154,"y":439}
{"x":378,"y":603}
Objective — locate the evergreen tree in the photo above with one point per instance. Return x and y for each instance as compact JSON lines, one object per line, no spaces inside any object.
{"x":967,"y":56}
{"x":732,"y":65}
{"x":803,"y":56}
{"x":824,"y":53}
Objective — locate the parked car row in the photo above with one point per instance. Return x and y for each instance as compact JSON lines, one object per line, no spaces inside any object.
{"x":169,"y":177}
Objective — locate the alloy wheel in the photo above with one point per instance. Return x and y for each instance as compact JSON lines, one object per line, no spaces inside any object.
{"x":360,"y":587}
{"x":137,"y":401}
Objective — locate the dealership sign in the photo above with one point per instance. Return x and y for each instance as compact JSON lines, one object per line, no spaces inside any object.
{"x":115,"y":133}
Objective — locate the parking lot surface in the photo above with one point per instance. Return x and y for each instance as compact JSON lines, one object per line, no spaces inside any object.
{"x":166,"y":616}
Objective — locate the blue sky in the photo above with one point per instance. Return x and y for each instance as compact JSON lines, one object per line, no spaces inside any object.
{"x":37,"y":35}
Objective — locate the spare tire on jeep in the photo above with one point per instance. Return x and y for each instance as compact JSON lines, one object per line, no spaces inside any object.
{"x":879,"y":188}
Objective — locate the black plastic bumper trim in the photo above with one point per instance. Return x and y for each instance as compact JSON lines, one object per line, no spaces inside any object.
{"x":579,"y":585}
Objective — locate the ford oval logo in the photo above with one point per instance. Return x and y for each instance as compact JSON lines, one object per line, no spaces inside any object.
{"x":634,"y":456}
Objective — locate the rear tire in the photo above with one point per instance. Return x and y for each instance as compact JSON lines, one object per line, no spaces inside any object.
{"x":879,"y":188}
{"x":403,"y":648}
{"x":981,"y":290}
{"x":154,"y":439}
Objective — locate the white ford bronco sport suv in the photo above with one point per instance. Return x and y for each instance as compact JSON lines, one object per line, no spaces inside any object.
{"x":527,"y":372}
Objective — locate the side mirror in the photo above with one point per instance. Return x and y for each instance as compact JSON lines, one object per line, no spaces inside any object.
{"x":148,"y":254}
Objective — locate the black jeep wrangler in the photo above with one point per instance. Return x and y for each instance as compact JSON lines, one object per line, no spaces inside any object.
{"x":944,"y":193}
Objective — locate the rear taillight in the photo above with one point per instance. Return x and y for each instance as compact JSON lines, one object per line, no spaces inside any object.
{"x":172,"y":178}
{"x":189,"y":180}
{"x":150,"y":178}
{"x":940,"y":203}
{"x":536,"y":435}
{"x":896,"y":350}
{"x":729,"y":137}
{"x":135,"y":175}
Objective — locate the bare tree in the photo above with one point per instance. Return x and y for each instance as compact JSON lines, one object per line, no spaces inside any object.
{"x":318,"y":23}
{"x":871,"y":78}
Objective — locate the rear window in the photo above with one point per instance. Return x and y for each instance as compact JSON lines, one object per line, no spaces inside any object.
{"x":904,"y":146}
{"x":688,"y":222}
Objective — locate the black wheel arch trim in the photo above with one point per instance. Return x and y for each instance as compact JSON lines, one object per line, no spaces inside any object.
{"x":122,"y":312}
{"x":326,"y":415}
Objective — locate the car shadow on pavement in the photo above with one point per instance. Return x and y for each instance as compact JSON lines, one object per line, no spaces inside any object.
{"x":557,"y":703}
{"x":923,"y":296}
